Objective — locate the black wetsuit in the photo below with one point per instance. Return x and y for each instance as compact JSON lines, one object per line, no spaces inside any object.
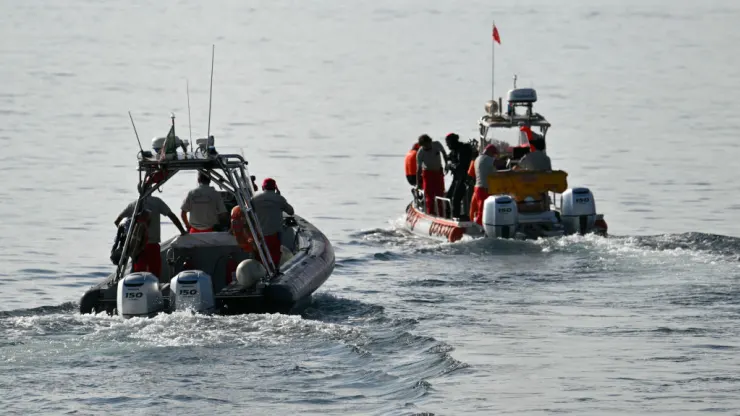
{"x":461,"y":154}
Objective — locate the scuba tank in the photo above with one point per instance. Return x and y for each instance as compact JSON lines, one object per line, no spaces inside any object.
{"x":119,"y":240}
{"x":139,"y":237}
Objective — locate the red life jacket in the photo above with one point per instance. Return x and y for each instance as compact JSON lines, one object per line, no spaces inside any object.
{"x":240,"y":230}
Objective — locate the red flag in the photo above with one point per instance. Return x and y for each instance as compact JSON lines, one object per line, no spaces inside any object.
{"x":495,"y":35}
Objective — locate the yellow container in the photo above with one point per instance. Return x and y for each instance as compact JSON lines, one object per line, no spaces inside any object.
{"x":522,"y":184}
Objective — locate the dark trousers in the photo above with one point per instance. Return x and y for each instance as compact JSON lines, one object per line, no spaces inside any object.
{"x":456,"y":194}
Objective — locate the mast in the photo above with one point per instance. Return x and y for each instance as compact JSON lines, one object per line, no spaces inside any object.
{"x":495,"y":38}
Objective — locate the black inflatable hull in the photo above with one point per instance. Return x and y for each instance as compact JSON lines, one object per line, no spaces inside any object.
{"x":288,"y":293}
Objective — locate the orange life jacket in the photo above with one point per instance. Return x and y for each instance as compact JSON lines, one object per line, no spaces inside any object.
{"x":240,"y":230}
{"x":410,"y":163}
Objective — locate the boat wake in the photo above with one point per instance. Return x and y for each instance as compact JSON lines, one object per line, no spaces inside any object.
{"x":699,"y":246}
{"x":341,"y":353}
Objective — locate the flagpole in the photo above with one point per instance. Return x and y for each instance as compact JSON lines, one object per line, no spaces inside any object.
{"x":493,"y":61}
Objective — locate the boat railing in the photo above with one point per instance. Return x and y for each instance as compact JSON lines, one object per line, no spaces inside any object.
{"x":233,"y":177}
{"x":446,"y":204}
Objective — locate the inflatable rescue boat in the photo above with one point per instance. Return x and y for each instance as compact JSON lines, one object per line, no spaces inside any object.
{"x":210,"y":272}
{"x":522,"y":204}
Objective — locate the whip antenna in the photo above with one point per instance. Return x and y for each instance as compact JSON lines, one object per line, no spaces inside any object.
{"x":210,"y":93}
{"x":190,"y":126}
{"x":137,"y":134}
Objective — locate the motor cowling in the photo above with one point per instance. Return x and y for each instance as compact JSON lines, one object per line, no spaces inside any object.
{"x":192,"y":289}
{"x":500,"y":216}
{"x":578,"y":211}
{"x":139,"y":295}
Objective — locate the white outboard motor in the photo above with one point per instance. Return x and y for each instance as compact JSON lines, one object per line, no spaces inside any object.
{"x":139,"y":295}
{"x":578,"y":211}
{"x":500,"y":216}
{"x":192,"y":289}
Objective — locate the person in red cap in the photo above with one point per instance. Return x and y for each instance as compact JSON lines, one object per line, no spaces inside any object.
{"x":269,"y":206}
{"x":484,"y":167}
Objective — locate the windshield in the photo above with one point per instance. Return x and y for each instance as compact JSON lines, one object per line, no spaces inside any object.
{"x":505,"y":138}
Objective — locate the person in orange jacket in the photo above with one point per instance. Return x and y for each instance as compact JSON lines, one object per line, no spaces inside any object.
{"x":410,"y":164}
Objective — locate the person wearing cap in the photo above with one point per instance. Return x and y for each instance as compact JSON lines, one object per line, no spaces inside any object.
{"x":460,"y":156}
{"x":150,"y":258}
{"x":205,"y":205}
{"x":431,"y":159}
{"x":484,"y":167}
{"x":410,"y":164}
{"x":269,"y":206}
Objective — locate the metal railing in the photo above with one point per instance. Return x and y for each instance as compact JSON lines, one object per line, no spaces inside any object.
{"x":235,"y":179}
{"x":446,"y":204}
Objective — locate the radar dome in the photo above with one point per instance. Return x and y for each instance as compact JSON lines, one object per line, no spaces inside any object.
{"x":491,"y":107}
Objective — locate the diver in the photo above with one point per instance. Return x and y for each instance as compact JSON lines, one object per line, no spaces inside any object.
{"x":460,"y":156}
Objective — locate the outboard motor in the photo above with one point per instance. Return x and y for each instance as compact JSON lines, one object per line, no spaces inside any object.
{"x":139,"y":295}
{"x":500,"y":216}
{"x":578,"y":211}
{"x":192,"y":289}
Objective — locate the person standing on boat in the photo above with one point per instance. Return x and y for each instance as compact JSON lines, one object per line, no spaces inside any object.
{"x":205,"y":205}
{"x":430,"y":170}
{"x":484,"y":167}
{"x":150,"y":259}
{"x":269,"y":206}
{"x":536,"y":160}
{"x":410,"y":164}
{"x":460,"y":156}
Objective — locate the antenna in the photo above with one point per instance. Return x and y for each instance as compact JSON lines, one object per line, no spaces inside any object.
{"x":210,"y":93}
{"x":514,"y":81}
{"x":187,"y":89}
{"x":137,"y":134}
